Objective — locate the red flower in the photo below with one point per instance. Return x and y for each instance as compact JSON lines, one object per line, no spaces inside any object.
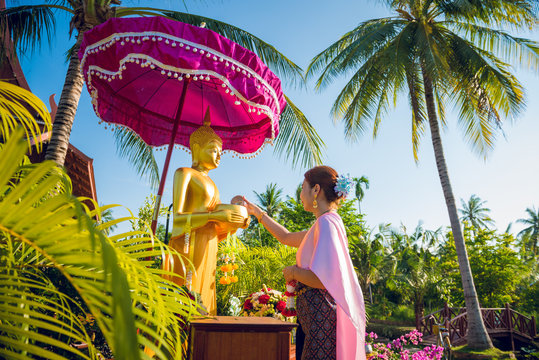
{"x":247,"y":305}
{"x":263,"y":299}
{"x":289,"y":312}
{"x":289,"y":294}
{"x":281,"y":305}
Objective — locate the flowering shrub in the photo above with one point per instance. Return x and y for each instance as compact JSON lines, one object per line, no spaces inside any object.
{"x":266,"y":302}
{"x":370,"y":337}
{"x":396,"y":349}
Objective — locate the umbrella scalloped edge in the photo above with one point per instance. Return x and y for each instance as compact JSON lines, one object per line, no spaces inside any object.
{"x":272,"y":112}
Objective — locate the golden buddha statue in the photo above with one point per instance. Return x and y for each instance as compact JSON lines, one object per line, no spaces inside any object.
{"x":200,"y":220}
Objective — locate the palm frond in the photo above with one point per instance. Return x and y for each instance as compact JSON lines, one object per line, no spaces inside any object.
{"x":28,"y":26}
{"x":483,"y":88}
{"x":298,"y":140}
{"x":19,"y":107}
{"x":260,"y":263}
{"x":419,"y":112}
{"x":365,"y":96}
{"x":109,"y":274}
{"x":32,"y":309}
{"x":352,"y":49}
{"x":277,"y":62}
{"x":502,"y":44}
{"x":432,"y":57}
{"x":491,"y":12}
{"x":139,"y":154}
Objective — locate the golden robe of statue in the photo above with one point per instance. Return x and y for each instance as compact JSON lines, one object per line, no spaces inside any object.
{"x":200,"y":220}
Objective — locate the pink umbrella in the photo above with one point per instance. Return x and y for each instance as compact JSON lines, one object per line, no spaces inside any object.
{"x":157,"y":77}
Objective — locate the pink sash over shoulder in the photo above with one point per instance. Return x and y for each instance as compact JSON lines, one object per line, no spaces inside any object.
{"x":324,"y":251}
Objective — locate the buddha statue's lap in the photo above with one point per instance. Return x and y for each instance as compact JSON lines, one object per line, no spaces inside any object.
{"x":200,"y":221}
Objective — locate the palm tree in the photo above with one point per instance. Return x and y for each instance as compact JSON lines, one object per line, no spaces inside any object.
{"x":530,"y":235}
{"x":416,"y":274}
{"x":298,"y":139}
{"x":435,"y":52}
{"x":475,"y":212}
{"x":270,"y":200}
{"x":360,"y":193}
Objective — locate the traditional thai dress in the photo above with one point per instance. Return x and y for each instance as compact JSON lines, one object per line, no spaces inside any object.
{"x":333,"y":318}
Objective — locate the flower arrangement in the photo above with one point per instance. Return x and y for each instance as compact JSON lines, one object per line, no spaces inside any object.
{"x":228,"y":267}
{"x":396,"y":349}
{"x":344,"y":186}
{"x":290,"y":294}
{"x":266,"y":302}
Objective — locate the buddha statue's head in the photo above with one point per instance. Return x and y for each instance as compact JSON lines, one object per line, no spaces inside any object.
{"x":206,"y":146}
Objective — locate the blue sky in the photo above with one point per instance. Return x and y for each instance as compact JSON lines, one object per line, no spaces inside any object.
{"x":401,"y":191}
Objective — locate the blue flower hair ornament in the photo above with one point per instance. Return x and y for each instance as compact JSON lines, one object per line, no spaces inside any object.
{"x":344,"y":186}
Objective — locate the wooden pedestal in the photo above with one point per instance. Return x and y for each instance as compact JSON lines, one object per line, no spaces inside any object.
{"x":240,"y":338}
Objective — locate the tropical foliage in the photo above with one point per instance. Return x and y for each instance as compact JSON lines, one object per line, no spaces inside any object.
{"x":257,"y":266}
{"x":43,"y":227}
{"x":399,"y":266}
{"x":435,"y":53}
{"x":19,"y":107}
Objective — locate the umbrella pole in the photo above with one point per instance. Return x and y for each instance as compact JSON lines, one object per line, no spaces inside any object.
{"x":167,"y":159}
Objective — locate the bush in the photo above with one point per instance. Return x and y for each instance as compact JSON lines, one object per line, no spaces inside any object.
{"x":258,"y":266}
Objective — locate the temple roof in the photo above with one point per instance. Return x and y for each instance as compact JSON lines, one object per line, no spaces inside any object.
{"x":79,"y":167}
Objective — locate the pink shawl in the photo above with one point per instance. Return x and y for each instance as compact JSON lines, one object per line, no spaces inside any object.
{"x":324,"y":251}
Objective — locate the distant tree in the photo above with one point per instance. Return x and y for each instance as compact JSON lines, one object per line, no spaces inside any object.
{"x":270,"y":200}
{"x":475,"y":212}
{"x":294,"y":217}
{"x":144,"y":217}
{"x":530,"y":235}
{"x":360,"y":193}
{"x":416,"y":274}
{"x":370,"y":259}
{"x":496,"y":267}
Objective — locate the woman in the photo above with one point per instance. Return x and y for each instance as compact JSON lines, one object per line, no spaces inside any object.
{"x":329,"y":301}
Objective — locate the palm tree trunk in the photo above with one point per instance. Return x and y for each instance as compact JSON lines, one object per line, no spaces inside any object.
{"x":477,"y":335}
{"x":67,"y":107}
{"x":418,"y":311}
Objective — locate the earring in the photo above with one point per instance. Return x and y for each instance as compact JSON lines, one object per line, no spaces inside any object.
{"x":315,"y":203}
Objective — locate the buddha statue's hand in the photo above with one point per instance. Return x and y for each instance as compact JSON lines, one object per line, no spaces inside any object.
{"x":228,"y":216}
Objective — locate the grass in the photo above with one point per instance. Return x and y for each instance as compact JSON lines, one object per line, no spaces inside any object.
{"x":464,"y":352}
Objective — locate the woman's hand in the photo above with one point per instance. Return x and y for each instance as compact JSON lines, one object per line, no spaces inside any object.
{"x":289,"y":273}
{"x":252,"y":209}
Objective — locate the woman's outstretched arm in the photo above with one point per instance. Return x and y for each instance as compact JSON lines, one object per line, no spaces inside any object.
{"x":280,"y":232}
